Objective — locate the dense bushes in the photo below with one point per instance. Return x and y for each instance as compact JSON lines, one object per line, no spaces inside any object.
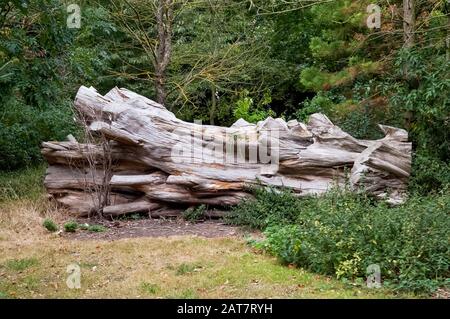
{"x":342,"y":234}
{"x":42,"y":64}
{"x":429,"y":173}
{"x":270,"y":207}
{"x":24,"y":127}
{"x":423,"y":98}
{"x":33,"y":74}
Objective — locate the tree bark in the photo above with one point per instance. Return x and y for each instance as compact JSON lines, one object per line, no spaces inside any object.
{"x":164,"y":21}
{"x":159,"y":161}
{"x":212,"y":111}
{"x":409,"y":22}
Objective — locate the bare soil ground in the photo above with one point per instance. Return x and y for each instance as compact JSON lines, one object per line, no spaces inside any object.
{"x":149,"y":227}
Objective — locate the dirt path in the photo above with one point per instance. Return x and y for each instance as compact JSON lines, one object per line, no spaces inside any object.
{"x":156,"y":228}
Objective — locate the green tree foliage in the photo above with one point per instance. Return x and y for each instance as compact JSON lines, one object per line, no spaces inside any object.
{"x":33,"y":48}
{"x":220,"y":50}
{"x":343,"y":62}
{"x":362,"y":77}
{"x":230,"y":59}
{"x":424,"y":98}
{"x":42,"y":64}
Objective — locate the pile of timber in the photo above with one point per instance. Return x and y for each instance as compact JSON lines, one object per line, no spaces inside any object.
{"x":154,"y":162}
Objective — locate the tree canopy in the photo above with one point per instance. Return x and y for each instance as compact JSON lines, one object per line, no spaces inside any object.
{"x":220,"y":60}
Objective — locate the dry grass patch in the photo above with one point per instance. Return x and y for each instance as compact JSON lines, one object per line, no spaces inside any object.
{"x":21,"y":220}
{"x":24,"y":207}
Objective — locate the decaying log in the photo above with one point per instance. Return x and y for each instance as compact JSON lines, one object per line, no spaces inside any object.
{"x":137,"y":206}
{"x":160,"y":161}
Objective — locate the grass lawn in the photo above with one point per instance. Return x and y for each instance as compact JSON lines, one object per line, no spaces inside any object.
{"x":33,"y":262}
{"x":179,"y":267}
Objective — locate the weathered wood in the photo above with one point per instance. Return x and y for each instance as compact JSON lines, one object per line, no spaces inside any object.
{"x":84,"y":203}
{"x":158,"y":158}
{"x":136,"y":180}
{"x":138,"y":206}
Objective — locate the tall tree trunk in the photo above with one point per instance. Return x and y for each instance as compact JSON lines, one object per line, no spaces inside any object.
{"x":447,"y":39}
{"x":160,"y":85}
{"x":212,"y":111}
{"x":409,"y":22}
{"x":164,"y":20}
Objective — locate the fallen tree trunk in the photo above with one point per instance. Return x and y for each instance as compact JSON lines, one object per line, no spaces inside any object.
{"x":159,"y":161}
